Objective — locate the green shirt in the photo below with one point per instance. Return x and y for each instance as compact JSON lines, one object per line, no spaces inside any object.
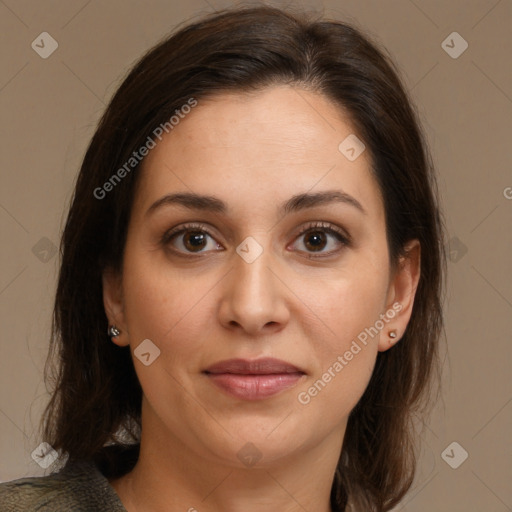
{"x":78,"y":487}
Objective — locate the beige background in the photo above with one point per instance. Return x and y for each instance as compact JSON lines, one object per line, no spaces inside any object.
{"x":49,"y":111}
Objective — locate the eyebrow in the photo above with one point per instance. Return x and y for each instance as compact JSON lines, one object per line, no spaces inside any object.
{"x":294,"y":204}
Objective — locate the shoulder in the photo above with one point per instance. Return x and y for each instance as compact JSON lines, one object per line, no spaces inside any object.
{"x":79,"y":486}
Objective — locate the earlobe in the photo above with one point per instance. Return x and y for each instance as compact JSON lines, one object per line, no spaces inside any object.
{"x":401,"y":294}
{"x":114,"y":307}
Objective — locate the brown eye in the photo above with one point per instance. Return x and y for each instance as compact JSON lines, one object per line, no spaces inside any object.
{"x":193,"y":240}
{"x":190,"y":239}
{"x":315,"y":240}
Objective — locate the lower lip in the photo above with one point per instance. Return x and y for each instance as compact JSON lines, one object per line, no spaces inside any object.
{"x":254,"y":387}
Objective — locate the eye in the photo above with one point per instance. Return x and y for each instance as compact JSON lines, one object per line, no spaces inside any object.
{"x":315,"y":238}
{"x":193,"y":239}
{"x":190,"y":238}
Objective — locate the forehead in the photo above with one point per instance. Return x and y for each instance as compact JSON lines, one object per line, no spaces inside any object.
{"x":258,"y":149}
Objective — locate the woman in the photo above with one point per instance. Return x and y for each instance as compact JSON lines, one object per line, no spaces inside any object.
{"x":249,"y":300}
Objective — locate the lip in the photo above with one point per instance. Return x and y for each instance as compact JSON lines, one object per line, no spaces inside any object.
{"x":254,"y":379}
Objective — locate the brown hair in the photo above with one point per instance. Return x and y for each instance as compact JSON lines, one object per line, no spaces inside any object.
{"x":96,"y":391}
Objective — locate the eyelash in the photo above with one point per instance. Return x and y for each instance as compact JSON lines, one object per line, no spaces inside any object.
{"x":343,"y":238}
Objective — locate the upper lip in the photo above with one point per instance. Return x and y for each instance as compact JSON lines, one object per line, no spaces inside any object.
{"x":265,"y":366}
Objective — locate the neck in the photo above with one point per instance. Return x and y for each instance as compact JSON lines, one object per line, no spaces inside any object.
{"x":171,"y":476}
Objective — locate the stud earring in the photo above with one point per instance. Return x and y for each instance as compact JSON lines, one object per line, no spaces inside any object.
{"x":113,"y":331}
{"x":392,"y":334}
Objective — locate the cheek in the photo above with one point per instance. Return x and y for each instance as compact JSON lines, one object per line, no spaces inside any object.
{"x":162,"y":305}
{"x":333,"y":394}
{"x":347,"y":309}
{"x":345,"y":354}
{"x":175,"y":314}
{"x":345,"y":304}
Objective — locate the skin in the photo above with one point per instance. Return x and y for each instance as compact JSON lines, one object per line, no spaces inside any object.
{"x":253,"y":152}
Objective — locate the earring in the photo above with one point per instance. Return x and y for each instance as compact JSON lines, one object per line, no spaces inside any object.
{"x":113,"y":331}
{"x":392,"y":334}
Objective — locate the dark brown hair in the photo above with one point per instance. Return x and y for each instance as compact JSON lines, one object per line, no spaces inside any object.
{"x":96,"y":391}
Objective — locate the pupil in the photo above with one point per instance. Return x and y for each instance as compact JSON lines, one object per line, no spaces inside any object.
{"x":195,"y":239}
{"x":319,"y":236}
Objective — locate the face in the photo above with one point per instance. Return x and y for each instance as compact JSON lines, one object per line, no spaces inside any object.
{"x":257,"y":270}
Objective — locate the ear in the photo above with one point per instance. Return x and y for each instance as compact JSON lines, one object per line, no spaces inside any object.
{"x":113,"y":303}
{"x":401,"y":293}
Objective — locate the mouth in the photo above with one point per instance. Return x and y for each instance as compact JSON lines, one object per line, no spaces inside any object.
{"x":254,"y":380}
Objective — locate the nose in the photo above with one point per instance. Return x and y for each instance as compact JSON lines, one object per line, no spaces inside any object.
{"x":254,"y":297}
